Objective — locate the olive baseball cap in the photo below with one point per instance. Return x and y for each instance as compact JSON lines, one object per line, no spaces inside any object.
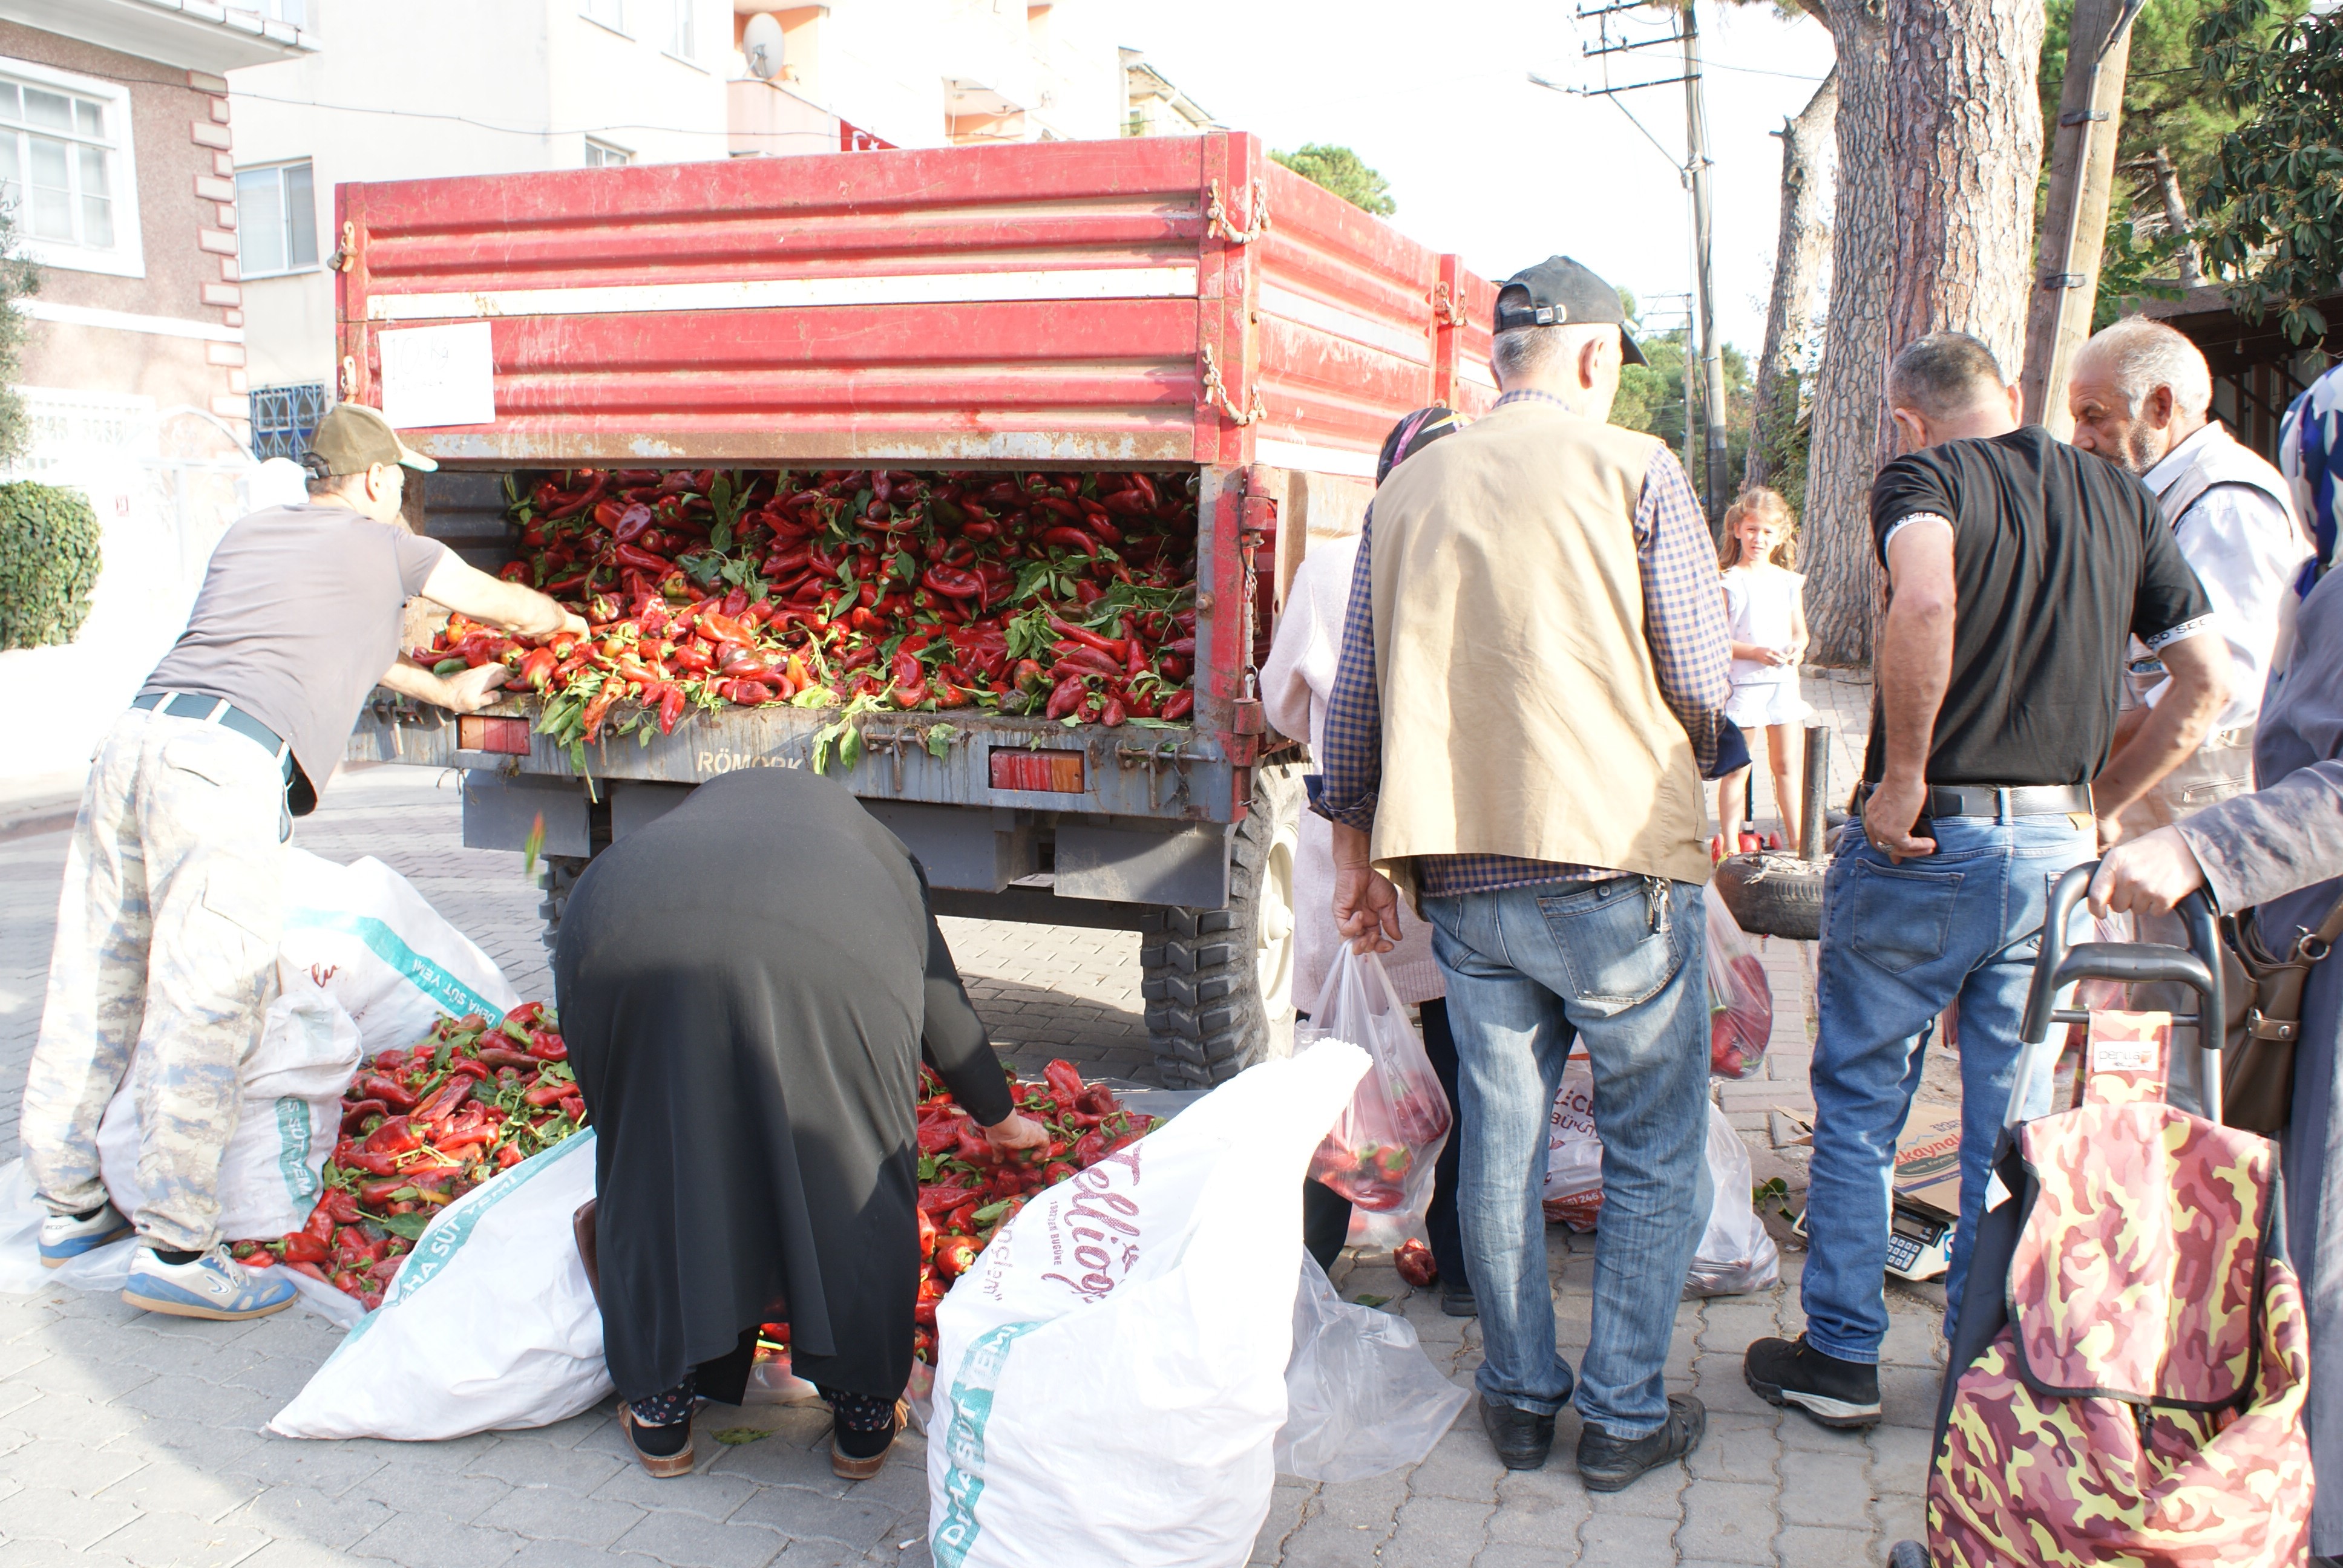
{"x":1558,"y":292}
{"x":352,"y":438}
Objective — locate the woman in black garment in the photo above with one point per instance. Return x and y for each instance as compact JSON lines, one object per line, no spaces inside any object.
{"x":746,"y":986}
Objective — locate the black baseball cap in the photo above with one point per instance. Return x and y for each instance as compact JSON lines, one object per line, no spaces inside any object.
{"x":1560,"y":292}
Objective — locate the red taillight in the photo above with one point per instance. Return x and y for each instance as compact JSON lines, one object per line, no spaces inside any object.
{"x":1057,"y":772}
{"x":481,"y":732}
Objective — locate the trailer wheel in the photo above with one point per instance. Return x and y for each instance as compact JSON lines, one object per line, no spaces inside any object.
{"x":561,"y":874}
{"x":1218,"y":983}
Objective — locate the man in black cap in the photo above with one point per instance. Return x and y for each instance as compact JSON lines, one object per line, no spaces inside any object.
{"x":172,"y":908}
{"x":1533,"y":665}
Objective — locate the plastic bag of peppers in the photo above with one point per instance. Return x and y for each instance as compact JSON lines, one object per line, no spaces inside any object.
{"x":1068,"y":597}
{"x":421,"y":1127}
{"x":968,"y":1189}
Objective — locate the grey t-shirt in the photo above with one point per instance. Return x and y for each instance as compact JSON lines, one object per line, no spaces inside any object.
{"x":298,"y":618}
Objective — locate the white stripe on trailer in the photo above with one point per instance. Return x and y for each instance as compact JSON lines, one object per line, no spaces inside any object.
{"x":1311,"y":459}
{"x":793,"y":293}
{"x":1479,"y":373}
{"x":1309,"y":312}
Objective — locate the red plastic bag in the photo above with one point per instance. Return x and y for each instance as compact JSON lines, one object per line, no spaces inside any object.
{"x":1740,"y":998}
{"x":1381,"y":1151}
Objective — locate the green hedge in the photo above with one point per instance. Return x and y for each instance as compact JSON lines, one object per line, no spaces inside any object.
{"x":48,"y":563}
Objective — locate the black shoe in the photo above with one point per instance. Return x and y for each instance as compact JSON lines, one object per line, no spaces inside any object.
{"x":1522,"y":1438}
{"x":1606,"y":1463}
{"x":1792,"y":1372}
{"x":1457,"y":1301}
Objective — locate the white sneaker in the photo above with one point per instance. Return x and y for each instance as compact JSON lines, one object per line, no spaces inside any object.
{"x":214,"y":1285}
{"x":64,"y":1238}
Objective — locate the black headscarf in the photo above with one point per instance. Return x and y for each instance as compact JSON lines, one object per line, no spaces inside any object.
{"x":1412,"y":435}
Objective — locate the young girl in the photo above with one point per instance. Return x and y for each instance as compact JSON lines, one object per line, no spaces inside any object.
{"x":1769,"y":632}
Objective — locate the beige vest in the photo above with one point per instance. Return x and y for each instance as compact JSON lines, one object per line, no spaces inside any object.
{"x":1520,"y":713}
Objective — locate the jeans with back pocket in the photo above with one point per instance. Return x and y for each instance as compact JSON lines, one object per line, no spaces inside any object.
{"x":1620,"y":967}
{"x":1899,"y":944}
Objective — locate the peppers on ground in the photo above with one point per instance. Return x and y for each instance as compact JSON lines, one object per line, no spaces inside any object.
{"x":1069,"y":596}
{"x":422,"y":1126}
{"x":968,"y":1189}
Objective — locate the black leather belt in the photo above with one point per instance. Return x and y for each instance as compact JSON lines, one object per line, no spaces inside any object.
{"x":219,"y":711}
{"x":1996,"y":801}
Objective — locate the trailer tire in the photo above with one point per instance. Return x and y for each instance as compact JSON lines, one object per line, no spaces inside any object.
{"x":1218,"y":983}
{"x":561,"y":874}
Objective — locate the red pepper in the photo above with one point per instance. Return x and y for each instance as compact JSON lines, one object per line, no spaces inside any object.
{"x":1065,"y":698}
{"x":375,"y":1086}
{"x":363,"y":1159}
{"x":670,"y":708}
{"x":1112,"y":713}
{"x":340,"y":1205}
{"x":1064,"y":1079}
{"x":501,"y":1056}
{"x":953,"y":582}
{"x":1178,"y":705}
{"x":549,"y":1092}
{"x":300,"y":1247}
{"x":395,"y":1136}
{"x":1069,"y":538}
{"x":353,"y":1116}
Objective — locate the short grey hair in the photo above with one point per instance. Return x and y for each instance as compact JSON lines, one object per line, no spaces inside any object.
{"x":1522,"y":351}
{"x":1943,"y":374}
{"x":2141,"y":356}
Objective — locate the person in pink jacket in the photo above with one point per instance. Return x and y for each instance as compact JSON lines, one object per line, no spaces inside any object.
{"x":1294,"y":688}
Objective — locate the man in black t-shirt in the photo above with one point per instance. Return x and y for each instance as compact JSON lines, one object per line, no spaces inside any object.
{"x":2018,"y":568}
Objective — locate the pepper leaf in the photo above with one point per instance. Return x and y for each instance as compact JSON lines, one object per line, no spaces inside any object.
{"x":734,"y":1436}
{"x":940,"y":740}
{"x":850,"y":748}
{"x":1371,"y":1301}
{"x":410,"y":1226}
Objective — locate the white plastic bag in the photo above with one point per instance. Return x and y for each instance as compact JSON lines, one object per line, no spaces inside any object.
{"x":1740,"y":997}
{"x":1736,"y":1254}
{"x":1381,"y":1151}
{"x":21,"y":1213}
{"x":490,"y":1324}
{"x":1573,"y":1153}
{"x":1110,"y":1376}
{"x":363,"y":936}
{"x":1362,"y":1399}
{"x":291,"y":1113}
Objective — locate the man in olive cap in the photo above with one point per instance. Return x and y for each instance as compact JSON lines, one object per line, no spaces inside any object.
{"x":168,"y":926}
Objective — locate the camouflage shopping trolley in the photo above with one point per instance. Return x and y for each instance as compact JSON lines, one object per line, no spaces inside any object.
{"x":2131,"y":1357}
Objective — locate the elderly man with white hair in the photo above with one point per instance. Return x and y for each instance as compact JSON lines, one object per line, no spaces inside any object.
{"x":2141,"y":397}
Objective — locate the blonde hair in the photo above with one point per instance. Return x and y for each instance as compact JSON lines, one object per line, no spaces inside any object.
{"x":1762,"y":501}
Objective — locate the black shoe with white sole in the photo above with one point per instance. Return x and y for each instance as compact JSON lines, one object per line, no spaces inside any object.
{"x":1834,"y":1391}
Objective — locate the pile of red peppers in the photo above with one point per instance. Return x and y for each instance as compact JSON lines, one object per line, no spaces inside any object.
{"x":420,"y":1128}
{"x":968,"y":1189}
{"x":1063,"y":595}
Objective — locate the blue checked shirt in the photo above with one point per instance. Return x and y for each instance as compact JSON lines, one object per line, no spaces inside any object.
{"x":1684,"y":621}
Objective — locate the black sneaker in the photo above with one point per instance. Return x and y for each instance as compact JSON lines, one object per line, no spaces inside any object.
{"x":1457,"y":1300}
{"x":1792,"y":1372}
{"x":1522,"y":1438}
{"x":1606,"y":1463}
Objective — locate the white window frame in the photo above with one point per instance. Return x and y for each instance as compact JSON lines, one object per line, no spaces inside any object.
{"x":126,"y":257}
{"x":273,"y":10}
{"x":616,"y":22}
{"x":614,"y":157}
{"x":243,"y":220}
{"x":682,"y":40}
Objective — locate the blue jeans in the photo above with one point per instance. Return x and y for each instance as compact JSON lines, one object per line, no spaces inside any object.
{"x":1899,"y":944}
{"x":1620,"y":966}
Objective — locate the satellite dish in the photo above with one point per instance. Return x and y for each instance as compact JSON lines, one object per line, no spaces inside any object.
{"x":760,"y":41}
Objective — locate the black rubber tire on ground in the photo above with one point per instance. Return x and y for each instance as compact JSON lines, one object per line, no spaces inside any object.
{"x":562,"y":871}
{"x":1773,"y":895}
{"x":1218,"y":983}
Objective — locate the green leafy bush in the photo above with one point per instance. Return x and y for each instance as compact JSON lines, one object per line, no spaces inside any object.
{"x":48,"y":563}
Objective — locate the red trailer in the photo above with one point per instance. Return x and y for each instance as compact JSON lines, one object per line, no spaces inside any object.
{"x":1180,"y":305}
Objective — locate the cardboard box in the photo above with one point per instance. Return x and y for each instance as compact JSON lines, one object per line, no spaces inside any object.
{"x":1928,"y":1158}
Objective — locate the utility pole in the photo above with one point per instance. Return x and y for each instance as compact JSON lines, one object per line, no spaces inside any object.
{"x":1693,"y":173}
{"x":2075,"y":217}
{"x":1712,"y":352}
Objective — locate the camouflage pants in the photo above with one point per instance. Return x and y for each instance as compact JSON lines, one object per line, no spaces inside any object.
{"x":166,"y":942}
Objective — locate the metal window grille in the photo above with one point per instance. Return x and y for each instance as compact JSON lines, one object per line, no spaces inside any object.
{"x":285,"y":417}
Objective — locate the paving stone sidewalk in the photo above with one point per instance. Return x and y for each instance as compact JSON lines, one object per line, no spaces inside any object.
{"x":130,"y":1438}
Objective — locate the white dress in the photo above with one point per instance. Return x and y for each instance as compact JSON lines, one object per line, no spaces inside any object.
{"x":1761,"y":608}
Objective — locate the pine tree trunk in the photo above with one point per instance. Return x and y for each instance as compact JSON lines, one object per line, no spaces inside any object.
{"x":1842,"y":591}
{"x":1798,"y":251}
{"x":1964,"y":150}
